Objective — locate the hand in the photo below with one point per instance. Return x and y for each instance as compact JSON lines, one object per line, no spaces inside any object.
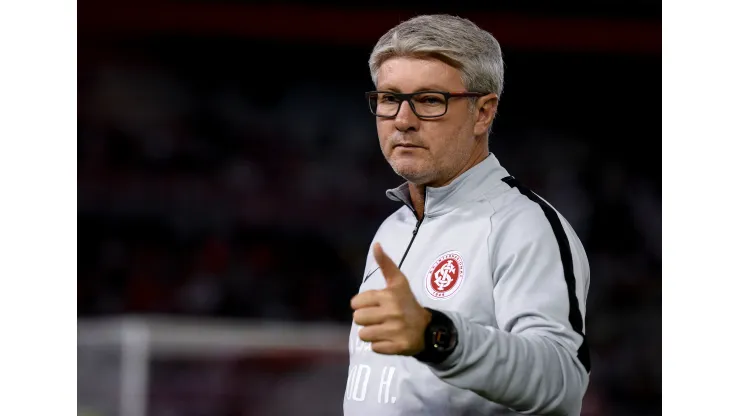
{"x":394,"y":322}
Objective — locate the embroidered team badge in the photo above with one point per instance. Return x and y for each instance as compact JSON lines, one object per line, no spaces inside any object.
{"x":445,"y":275}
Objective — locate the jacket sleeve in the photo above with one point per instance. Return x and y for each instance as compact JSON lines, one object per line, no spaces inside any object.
{"x":529,"y":360}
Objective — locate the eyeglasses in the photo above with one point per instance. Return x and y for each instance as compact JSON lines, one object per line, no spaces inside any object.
{"x":425,"y":104}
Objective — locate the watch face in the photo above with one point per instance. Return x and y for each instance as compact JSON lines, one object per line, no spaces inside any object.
{"x":443,"y":338}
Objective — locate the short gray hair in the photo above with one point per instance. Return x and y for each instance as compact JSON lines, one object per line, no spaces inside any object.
{"x":451,"y":39}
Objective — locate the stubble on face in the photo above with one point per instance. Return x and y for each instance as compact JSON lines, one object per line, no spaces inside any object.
{"x":425,"y":152}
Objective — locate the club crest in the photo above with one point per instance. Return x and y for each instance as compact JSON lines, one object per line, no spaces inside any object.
{"x":445,"y":275}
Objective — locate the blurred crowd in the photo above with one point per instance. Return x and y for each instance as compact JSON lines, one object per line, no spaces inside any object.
{"x":205,"y":199}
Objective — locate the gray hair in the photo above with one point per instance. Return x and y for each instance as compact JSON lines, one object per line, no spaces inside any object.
{"x":451,"y":39}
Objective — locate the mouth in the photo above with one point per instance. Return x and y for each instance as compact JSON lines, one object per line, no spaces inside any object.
{"x":407,"y":146}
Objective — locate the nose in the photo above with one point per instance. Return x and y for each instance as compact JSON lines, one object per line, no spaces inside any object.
{"x":406,"y":119}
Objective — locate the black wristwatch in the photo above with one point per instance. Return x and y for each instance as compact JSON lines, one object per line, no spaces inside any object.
{"x":440,"y":338}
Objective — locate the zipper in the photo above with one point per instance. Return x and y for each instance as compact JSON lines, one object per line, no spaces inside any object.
{"x":413,"y":237}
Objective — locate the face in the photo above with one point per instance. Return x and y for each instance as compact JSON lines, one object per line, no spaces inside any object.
{"x":431,"y":151}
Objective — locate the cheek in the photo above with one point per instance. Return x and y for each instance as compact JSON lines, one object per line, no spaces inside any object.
{"x":440,"y":138}
{"x":384,"y":132}
{"x":449,"y":143}
{"x":381,"y":131}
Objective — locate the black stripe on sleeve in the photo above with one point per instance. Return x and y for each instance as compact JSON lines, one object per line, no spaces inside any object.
{"x":574,"y":314}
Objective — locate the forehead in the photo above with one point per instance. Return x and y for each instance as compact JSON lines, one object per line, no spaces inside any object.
{"x":414,"y":74}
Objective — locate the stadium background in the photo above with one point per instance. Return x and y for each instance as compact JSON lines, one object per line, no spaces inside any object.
{"x":230,"y":180}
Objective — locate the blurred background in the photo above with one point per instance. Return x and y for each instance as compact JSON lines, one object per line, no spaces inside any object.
{"x":230,"y":182}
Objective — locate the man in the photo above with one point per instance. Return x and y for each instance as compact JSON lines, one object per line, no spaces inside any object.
{"x":473,"y":298}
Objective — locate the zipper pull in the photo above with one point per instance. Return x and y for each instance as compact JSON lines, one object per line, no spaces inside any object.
{"x":418,"y":224}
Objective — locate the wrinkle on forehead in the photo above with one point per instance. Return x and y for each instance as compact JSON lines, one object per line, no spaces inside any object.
{"x":415,"y":74}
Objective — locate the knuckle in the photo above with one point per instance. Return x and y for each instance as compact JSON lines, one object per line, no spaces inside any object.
{"x":395,"y":312}
{"x":365,"y":296}
{"x":394,"y":327}
{"x":362,"y":333}
{"x":392,"y":319}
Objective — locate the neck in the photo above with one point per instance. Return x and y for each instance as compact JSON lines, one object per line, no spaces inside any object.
{"x":417,"y":192}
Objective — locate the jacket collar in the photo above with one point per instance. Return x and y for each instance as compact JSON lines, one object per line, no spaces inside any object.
{"x":472,"y":183}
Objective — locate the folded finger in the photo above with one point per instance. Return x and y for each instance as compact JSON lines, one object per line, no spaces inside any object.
{"x":366,"y":299}
{"x":375,"y":333}
{"x":369,"y":316}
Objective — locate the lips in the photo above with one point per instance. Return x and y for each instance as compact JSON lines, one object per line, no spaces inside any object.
{"x":406,"y":145}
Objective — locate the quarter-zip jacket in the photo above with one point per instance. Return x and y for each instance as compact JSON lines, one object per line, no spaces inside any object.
{"x":513,"y":277}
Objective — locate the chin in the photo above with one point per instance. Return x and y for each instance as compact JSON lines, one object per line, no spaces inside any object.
{"x":412,"y":171}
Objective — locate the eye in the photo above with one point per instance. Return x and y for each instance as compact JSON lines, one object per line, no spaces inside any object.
{"x":430,"y":99}
{"x":387,"y":98}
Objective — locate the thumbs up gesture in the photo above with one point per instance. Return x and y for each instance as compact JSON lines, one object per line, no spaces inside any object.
{"x":393,"y":320}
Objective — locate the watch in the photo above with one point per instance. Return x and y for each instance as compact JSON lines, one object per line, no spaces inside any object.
{"x":440,"y":338}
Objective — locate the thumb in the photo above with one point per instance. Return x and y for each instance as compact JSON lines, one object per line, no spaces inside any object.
{"x":391,"y":272}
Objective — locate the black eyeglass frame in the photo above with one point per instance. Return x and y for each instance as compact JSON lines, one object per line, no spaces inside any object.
{"x":408,"y":96}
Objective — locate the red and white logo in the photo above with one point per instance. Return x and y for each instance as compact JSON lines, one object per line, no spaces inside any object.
{"x":445,"y":275}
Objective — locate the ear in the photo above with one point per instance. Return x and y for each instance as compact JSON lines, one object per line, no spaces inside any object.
{"x":485,"y":112}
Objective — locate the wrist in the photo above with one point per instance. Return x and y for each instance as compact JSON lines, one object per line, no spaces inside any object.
{"x":440,"y":338}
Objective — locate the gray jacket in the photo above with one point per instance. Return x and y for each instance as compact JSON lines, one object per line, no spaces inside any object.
{"x":511,"y":274}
